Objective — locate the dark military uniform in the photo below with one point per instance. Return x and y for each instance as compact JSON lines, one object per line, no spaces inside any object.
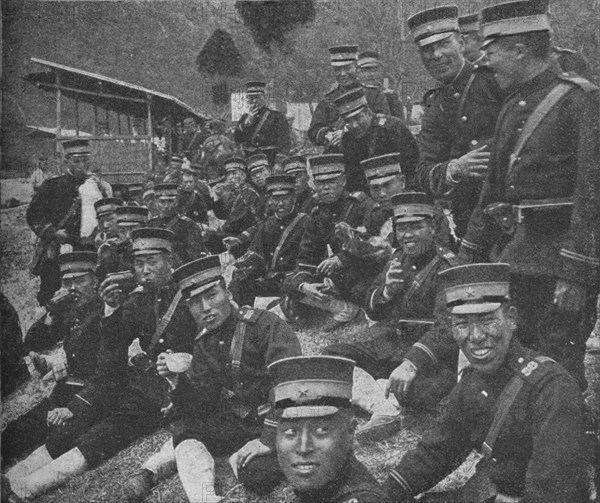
{"x":195,"y":206}
{"x":121,"y":403}
{"x":270,"y":129}
{"x":395,"y":104}
{"x":356,"y":485}
{"x":114,"y":256}
{"x":13,"y":368}
{"x":270,"y":256}
{"x":354,"y":209}
{"x":558,"y":161}
{"x":326,"y":117}
{"x":218,"y":401}
{"x":539,"y":454}
{"x":306,"y":200}
{"x":385,"y":135}
{"x":80,"y":334}
{"x":396,"y":337}
{"x":458,"y":117}
{"x":189,"y":243}
{"x":50,"y":204}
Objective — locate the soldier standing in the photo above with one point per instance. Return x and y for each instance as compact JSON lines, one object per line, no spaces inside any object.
{"x":273,"y":250}
{"x":369,"y":135}
{"x":459,"y":118}
{"x":552,"y":245}
{"x":519,"y":411}
{"x":188,"y":243}
{"x":261,"y":127}
{"x":325,"y":127}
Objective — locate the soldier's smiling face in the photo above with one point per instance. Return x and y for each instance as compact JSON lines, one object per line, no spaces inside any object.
{"x":345,"y":74}
{"x":443,"y":59}
{"x":313,"y":451}
{"x":484,"y":338}
{"x":416,"y":238}
{"x":331,"y":189}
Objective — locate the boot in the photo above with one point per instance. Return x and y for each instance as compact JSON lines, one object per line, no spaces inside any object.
{"x":38,"y":458}
{"x":196,"y":468}
{"x":138,"y":487}
{"x":162,"y":464}
{"x":52,"y":475}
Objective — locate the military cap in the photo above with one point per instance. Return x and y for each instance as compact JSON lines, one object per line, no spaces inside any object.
{"x":381,"y":169}
{"x":351,"y":102}
{"x":311,"y":386}
{"x":327,"y":166}
{"x":368,"y":59}
{"x":107,"y":205}
{"x":255,"y":87}
{"x":341,"y":55}
{"x":469,"y":23}
{"x":150,"y":240}
{"x":280,"y":185}
{"x":514,"y":18}
{"x":76,"y":148}
{"x":191,"y":169}
{"x":412,"y":206}
{"x":166,"y":190}
{"x":177,"y":158}
{"x":234,"y":163}
{"x":433,"y":24}
{"x":475,"y":288}
{"x":198,"y":275}
{"x":294,"y":164}
{"x":256,"y":161}
{"x":131,"y":215}
{"x":77,"y":263}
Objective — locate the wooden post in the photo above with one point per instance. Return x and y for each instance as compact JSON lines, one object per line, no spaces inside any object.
{"x":149,"y":132}
{"x":76,"y":117}
{"x":95,"y":128}
{"x":58,"y":110}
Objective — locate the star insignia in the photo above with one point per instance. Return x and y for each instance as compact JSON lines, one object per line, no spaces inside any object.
{"x":303,"y":391}
{"x":470,"y":292}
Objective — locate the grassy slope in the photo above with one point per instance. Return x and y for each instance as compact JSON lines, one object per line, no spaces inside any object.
{"x":104,"y":483}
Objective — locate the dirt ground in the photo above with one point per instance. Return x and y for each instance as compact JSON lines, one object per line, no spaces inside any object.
{"x":103,"y":485}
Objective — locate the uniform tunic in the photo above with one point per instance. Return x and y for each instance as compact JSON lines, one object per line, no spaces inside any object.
{"x":122,"y":402}
{"x":188,"y":243}
{"x":195,"y":206}
{"x":385,"y":135}
{"x":243,"y":210}
{"x":395,"y":338}
{"x":539,"y":453}
{"x":558,"y":161}
{"x":274,"y":131}
{"x":326,"y":117}
{"x":458,"y":117}
{"x":355,"y":485}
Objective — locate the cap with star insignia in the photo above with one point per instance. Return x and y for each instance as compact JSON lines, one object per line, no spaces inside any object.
{"x":107,"y":206}
{"x":433,"y":25}
{"x":150,"y":240}
{"x":77,"y":264}
{"x":311,"y":386}
{"x":412,"y":207}
{"x":131,"y":215}
{"x":351,"y":102}
{"x":341,"y":55}
{"x":327,"y":166}
{"x":198,"y":275}
{"x":294,"y":164}
{"x":280,"y":185}
{"x":381,"y":169}
{"x":476,"y":288}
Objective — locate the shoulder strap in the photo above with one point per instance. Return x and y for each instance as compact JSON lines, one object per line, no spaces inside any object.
{"x":418,"y":281}
{"x":286,"y":233}
{"x":162,"y":323}
{"x":346,"y":213}
{"x":172,"y":223}
{"x":259,"y":126}
{"x":505,"y":401}
{"x":237,"y":347}
{"x":463,"y":98}
{"x":536,"y":118}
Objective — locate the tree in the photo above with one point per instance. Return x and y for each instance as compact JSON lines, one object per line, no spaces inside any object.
{"x":220,"y":56}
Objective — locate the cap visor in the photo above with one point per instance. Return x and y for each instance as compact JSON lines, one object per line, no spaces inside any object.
{"x":383,"y":179}
{"x":353,"y":112}
{"x":197,"y":290}
{"x":410,"y":219}
{"x":75,"y":274}
{"x":303,"y":411}
{"x":434,"y":38}
{"x":327,"y":176}
{"x":475,"y":308}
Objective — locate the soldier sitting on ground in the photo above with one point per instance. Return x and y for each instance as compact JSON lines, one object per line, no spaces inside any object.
{"x":194,"y":197}
{"x":312,"y":282}
{"x":217,"y":400}
{"x":296,"y":167}
{"x":274,"y":248}
{"x":521,"y":412}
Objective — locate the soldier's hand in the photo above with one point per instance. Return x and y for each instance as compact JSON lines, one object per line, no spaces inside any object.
{"x":335,"y":137}
{"x":569,"y":296}
{"x":400,"y":380}
{"x":472,"y":166}
{"x":329,"y":266}
{"x":111,"y":293}
{"x":231,"y":244}
{"x":251,"y":450}
{"x":252,"y":115}
{"x":59,"y":416}
{"x":395,"y":278}
{"x":59,"y":370}
{"x":163,"y":370}
{"x":313,"y":290}
{"x":61,"y":236}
